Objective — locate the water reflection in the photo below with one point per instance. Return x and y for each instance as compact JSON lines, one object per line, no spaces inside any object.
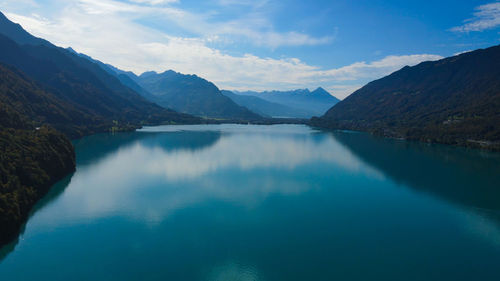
{"x":470,"y":178}
{"x":243,"y":152}
{"x":94,"y":148}
{"x":147,"y":177}
{"x":467,"y":177}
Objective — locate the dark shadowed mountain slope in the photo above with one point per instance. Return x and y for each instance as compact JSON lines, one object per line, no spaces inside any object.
{"x":455,"y":100}
{"x":314,"y":103}
{"x":266,"y":108}
{"x":192,"y":94}
{"x":25,"y":98}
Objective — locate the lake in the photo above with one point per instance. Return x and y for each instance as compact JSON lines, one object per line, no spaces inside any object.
{"x":283,"y":202}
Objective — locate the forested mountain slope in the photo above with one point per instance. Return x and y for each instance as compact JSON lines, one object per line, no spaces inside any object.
{"x":454,"y":100}
{"x":33,"y":156}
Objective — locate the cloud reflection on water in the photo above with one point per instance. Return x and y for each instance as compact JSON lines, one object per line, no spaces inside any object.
{"x":149,"y":180}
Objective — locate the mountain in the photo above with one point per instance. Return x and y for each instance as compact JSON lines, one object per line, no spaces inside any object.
{"x":266,"y":108}
{"x":33,"y":158}
{"x":81,"y":83}
{"x":184,"y":93}
{"x":191,"y":94}
{"x":314,"y":103}
{"x":455,"y":100}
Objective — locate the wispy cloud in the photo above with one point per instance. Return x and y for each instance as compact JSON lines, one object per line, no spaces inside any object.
{"x":252,"y":27}
{"x":248,"y":3}
{"x":154,"y":2}
{"x":486,"y":17}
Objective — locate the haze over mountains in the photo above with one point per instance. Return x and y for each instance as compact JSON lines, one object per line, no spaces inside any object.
{"x":266,"y":108}
{"x":455,"y":100}
{"x":305,"y":103}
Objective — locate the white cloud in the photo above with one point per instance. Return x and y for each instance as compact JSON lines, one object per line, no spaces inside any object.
{"x":154,"y":2}
{"x":378,"y":68}
{"x":342,"y":91}
{"x":252,"y":27}
{"x":108,"y":31}
{"x":486,"y":17}
{"x":250,"y":3}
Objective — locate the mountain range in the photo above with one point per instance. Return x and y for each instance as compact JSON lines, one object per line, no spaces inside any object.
{"x":455,"y":100}
{"x":180,"y":92}
{"x":191,"y":94}
{"x":266,"y":108}
{"x":100,"y":97}
{"x":304,"y":103}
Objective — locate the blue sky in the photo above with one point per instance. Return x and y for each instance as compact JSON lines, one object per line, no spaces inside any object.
{"x":264,"y":44}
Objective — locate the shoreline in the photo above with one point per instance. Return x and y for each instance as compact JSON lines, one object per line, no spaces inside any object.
{"x":392,"y":134}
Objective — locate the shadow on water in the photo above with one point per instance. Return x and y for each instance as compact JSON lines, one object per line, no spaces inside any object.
{"x":463,"y":176}
{"x":94,"y":148}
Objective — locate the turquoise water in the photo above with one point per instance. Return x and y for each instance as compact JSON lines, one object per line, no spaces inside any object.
{"x":285,"y":202}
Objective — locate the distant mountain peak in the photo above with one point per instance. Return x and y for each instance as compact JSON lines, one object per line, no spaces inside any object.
{"x":320,"y":92}
{"x":320,"y":89}
{"x":148,"y":74}
{"x":71,"y":50}
{"x":168,"y":72}
{"x":314,"y":103}
{"x":173,"y":73}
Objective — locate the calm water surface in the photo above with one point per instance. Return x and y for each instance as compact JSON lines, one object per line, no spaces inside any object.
{"x":286,"y":202}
